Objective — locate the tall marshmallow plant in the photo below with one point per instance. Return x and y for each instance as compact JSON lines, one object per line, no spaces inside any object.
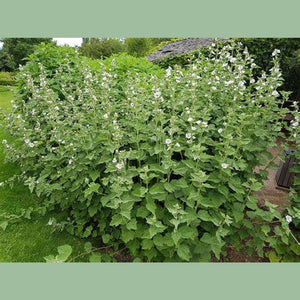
{"x":165,"y":167}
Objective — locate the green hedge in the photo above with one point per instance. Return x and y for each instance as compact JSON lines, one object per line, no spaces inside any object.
{"x":7,"y":78}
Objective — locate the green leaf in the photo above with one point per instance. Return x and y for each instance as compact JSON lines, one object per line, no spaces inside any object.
{"x":176,"y":236}
{"x":50,"y":259}
{"x":132,"y":224}
{"x":273,"y":257}
{"x":147,"y":244}
{"x":139,"y":191}
{"x":88,"y":246}
{"x":106,"y":238}
{"x":116,"y":220}
{"x":169,"y":187}
{"x":213,"y":201}
{"x":204,"y":215}
{"x":256,"y":186}
{"x":127,"y":235}
{"x":223,"y":190}
{"x":151,"y":206}
{"x":238,"y":216}
{"x":142,"y":212}
{"x":265,"y":229}
{"x":64,"y":252}
{"x":93,"y":188}
{"x":183,"y":252}
{"x":95,"y":257}
{"x":94,"y":174}
{"x":3,"y":224}
{"x":215,"y":243}
{"x":92,"y":210}
{"x":179,"y":184}
{"x":188,"y":232}
{"x":157,"y":188}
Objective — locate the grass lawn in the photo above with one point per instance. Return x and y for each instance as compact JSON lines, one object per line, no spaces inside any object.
{"x":26,"y":240}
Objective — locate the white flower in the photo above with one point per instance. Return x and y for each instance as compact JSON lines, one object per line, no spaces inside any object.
{"x":276,"y":51}
{"x":157,"y":94}
{"x":193,"y":128}
{"x":4,"y":142}
{"x":168,"y":141}
{"x":232,"y":60}
{"x":177,"y":145}
{"x":70,"y":161}
{"x":114,"y":160}
{"x":56,"y":108}
{"x":198,"y":122}
{"x":252,"y":80}
{"x":190,"y":119}
{"x":213,"y":88}
{"x":50,"y":222}
{"x":132,"y":104}
{"x":220,"y":130}
{"x":31,"y":145}
{"x":225,"y":166}
{"x":295,"y":124}
{"x":105,"y":116}
{"x":168,"y":72}
{"x":1,"y":183}
{"x":119,"y":166}
{"x":204,"y":124}
{"x":241,"y":83}
{"x":288,"y":218}
{"x":275,"y":93}
{"x":188,"y":135}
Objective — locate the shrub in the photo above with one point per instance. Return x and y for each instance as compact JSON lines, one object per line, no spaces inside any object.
{"x":167,"y":166}
{"x":7,"y":78}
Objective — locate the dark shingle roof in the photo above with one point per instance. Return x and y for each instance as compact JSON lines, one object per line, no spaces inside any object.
{"x":181,"y":46}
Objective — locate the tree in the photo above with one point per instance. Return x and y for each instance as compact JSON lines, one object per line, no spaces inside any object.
{"x":6,"y":62}
{"x":138,"y":46}
{"x":15,"y":50}
{"x":101,"y":48}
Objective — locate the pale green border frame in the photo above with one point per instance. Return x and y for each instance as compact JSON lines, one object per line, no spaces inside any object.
{"x":149,"y":18}
{"x":149,"y":281}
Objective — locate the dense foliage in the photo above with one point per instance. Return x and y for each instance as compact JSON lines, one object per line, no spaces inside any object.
{"x":101,"y":48}
{"x":261,"y":50}
{"x":7,"y":78}
{"x":140,"y":47}
{"x":15,"y":50}
{"x":105,"y":47}
{"x":164,"y":164}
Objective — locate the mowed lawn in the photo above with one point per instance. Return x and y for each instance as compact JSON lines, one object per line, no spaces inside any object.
{"x":26,"y":240}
